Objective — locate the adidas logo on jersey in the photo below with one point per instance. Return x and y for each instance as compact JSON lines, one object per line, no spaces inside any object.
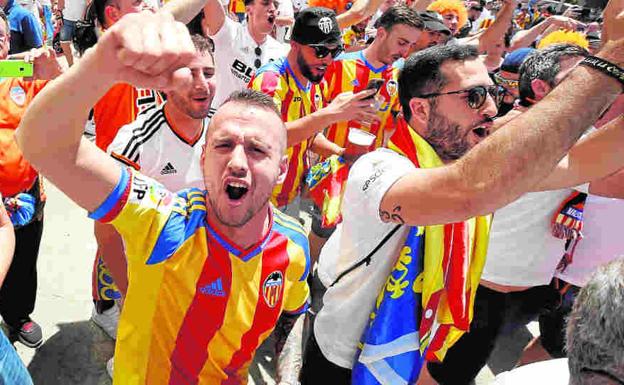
{"x":168,"y":169}
{"x":214,"y":288}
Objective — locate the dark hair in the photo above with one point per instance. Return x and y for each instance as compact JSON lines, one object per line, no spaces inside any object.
{"x":544,"y":64}
{"x":399,"y":14}
{"x":595,"y":327}
{"x":253,"y":98}
{"x":421,"y":73}
{"x":195,"y":25}
{"x":202,"y":44}
{"x":85,"y":36}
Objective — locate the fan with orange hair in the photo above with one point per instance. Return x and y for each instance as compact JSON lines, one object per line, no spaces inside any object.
{"x":453,"y":12}
{"x":338,"y":6}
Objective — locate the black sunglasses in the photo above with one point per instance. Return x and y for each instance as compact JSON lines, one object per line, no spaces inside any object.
{"x":476,"y":95}
{"x":258,"y":62}
{"x":322,"y":51}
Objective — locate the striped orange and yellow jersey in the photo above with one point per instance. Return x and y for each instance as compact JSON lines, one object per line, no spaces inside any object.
{"x":236,"y":6}
{"x":294,"y":101}
{"x":197,"y":306}
{"x":352,"y":72}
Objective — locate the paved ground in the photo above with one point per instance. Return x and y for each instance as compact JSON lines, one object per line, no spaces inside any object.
{"x":75,"y":351}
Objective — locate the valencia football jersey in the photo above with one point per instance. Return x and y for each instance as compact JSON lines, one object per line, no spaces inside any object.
{"x":197,"y":306}
{"x":119,"y":106}
{"x":294,"y":101}
{"x":352,"y":72}
{"x":155,"y":146}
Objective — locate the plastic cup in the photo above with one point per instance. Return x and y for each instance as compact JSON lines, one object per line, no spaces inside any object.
{"x":358,"y":142}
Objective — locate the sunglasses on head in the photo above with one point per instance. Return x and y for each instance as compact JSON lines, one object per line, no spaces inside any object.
{"x":322,"y":51}
{"x":511,"y":83}
{"x":476,"y":95}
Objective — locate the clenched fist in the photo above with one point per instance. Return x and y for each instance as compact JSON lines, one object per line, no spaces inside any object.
{"x":144,"y":49}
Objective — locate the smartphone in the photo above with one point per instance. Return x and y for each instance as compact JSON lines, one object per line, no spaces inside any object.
{"x":15,"y":69}
{"x":374,"y":84}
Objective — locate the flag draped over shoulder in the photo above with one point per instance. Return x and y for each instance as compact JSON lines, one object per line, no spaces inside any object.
{"x":326,"y":182}
{"x":426,"y":303}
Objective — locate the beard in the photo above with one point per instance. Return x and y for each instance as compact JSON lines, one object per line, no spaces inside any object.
{"x":446,"y":137}
{"x":226,"y":219}
{"x":306,"y":71}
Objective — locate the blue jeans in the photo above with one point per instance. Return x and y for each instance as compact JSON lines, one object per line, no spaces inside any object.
{"x":12,"y":369}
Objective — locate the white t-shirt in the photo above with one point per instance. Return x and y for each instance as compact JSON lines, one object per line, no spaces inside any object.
{"x":523,"y":251}
{"x":235,"y":56}
{"x":551,"y":372}
{"x":347,"y":305}
{"x":602,"y":238}
{"x":285,"y":8}
{"x":74,"y":9}
{"x":162,"y":154}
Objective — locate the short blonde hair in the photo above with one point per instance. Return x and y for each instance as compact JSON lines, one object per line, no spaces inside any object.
{"x":451,"y":6}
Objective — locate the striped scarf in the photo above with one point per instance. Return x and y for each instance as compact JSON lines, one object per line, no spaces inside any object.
{"x":437,"y":273}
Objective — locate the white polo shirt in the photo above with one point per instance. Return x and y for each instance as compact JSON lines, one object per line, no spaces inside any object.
{"x":235,"y":56}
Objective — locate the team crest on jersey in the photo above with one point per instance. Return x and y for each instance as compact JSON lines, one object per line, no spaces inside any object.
{"x":318,"y":101}
{"x":325,"y":25}
{"x":18,"y":95}
{"x":272,"y":288}
{"x":391,"y":87}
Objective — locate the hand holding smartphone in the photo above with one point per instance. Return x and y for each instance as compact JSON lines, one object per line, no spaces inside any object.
{"x":374,"y":84}
{"x":15,"y":69}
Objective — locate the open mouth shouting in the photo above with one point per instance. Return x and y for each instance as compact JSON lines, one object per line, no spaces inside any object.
{"x":481,"y":132}
{"x":236,"y":191}
{"x":271,"y":19}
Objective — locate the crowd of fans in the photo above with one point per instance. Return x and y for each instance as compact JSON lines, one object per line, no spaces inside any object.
{"x":457,"y":165}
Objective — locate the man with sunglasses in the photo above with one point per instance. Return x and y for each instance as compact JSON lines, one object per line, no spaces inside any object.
{"x":508,"y":76}
{"x":294,"y":84}
{"x":398,"y":30}
{"x":433,"y":177}
{"x":521,"y":279}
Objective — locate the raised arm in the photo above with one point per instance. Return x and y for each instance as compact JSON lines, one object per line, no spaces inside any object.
{"x":496,"y":32}
{"x":185,"y":10}
{"x":360,"y":10}
{"x":514,"y":159}
{"x":142,"y":49}
{"x":7,"y":241}
{"x":525,"y":38}
{"x":594,"y":157}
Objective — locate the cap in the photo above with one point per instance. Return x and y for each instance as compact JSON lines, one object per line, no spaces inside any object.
{"x":316,"y":25}
{"x":514,"y":60}
{"x":434,"y":22}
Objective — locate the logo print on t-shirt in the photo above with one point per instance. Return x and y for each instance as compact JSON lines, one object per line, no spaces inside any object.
{"x":214,"y":288}
{"x":391,"y":87}
{"x":168,"y":169}
{"x":325,"y":25}
{"x":18,"y":95}
{"x":272,"y":288}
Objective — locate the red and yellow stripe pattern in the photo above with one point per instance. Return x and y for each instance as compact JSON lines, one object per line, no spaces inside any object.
{"x":294,"y":101}
{"x":197,"y":306}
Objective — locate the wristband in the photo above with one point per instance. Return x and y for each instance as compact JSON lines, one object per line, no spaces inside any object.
{"x":605,"y":67}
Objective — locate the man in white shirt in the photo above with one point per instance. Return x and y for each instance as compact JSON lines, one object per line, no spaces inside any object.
{"x":523,"y":255}
{"x":385,"y":189}
{"x":165,"y":144}
{"x":241,"y":48}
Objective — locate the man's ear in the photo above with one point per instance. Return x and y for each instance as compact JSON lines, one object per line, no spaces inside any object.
{"x":420,"y":109}
{"x":111,"y":14}
{"x":540,"y":88}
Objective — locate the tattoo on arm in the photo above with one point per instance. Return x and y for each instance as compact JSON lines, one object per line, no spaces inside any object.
{"x":288,"y":345}
{"x":394,"y":217}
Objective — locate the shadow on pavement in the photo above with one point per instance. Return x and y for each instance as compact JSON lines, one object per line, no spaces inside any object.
{"x":76,"y":354}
